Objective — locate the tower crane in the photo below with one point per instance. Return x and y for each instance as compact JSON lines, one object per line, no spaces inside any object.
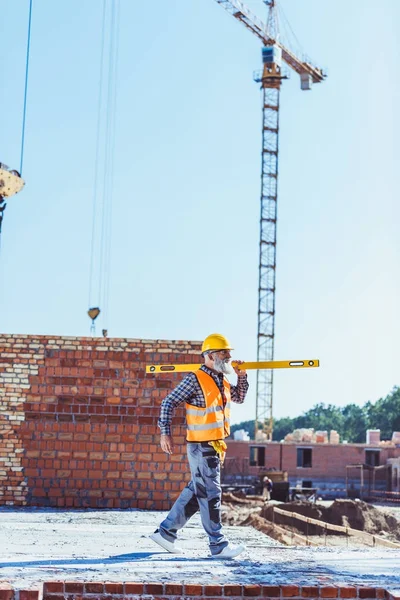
{"x":270,"y":78}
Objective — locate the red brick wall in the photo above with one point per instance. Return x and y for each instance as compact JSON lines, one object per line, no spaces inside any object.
{"x":328,"y":460}
{"x":78,"y":422}
{"x":59,"y":590}
{"x":179,"y":591}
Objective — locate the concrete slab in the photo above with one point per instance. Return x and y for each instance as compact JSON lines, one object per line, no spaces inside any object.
{"x":39,"y":545}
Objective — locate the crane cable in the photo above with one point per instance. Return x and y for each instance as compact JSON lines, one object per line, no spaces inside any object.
{"x":28,"y":50}
{"x":28,"y":47}
{"x":108,"y":178}
{"x":290,"y":39}
{"x":94,"y":311}
{"x":100,"y":259}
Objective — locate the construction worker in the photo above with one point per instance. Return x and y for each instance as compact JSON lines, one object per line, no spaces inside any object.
{"x":207,"y":395}
{"x":267,"y":488}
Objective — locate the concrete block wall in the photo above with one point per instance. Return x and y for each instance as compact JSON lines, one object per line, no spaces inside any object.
{"x":78,"y":422}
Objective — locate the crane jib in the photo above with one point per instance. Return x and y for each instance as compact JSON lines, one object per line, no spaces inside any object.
{"x":242,"y":13}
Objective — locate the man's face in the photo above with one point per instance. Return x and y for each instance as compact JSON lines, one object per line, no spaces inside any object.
{"x":222,"y":362}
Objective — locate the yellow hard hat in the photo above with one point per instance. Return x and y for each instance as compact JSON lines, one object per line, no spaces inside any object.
{"x":215,"y":342}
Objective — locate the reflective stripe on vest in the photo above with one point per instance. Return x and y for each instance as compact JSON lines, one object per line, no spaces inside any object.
{"x":213,"y":421}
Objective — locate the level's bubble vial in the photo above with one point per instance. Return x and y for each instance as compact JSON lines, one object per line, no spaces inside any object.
{"x":152,"y":369}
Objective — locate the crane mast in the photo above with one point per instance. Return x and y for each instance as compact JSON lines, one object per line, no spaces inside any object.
{"x":270,"y":78}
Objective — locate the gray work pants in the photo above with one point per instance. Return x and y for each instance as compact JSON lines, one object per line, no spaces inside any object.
{"x":204,"y":493}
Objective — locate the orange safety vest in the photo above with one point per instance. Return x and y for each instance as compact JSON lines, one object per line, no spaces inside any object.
{"x":212,"y":422}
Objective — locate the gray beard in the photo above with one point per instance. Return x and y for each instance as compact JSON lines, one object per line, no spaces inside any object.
{"x":221,"y":366}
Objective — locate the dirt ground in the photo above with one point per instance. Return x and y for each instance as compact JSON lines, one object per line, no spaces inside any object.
{"x":355,"y":514}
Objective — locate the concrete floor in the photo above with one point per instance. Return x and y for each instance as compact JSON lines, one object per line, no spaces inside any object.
{"x":39,"y":545}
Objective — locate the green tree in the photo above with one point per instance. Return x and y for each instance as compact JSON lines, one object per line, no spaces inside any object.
{"x":246,"y":425}
{"x":282,"y":427}
{"x":355,"y":423}
{"x":321,"y":418}
{"x":384,"y":414}
{"x":351,"y":421}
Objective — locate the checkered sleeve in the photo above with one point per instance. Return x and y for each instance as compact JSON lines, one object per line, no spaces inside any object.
{"x":182,"y":393}
{"x":239,"y":391}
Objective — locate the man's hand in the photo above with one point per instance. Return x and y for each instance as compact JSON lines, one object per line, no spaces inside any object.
{"x":167,"y":444}
{"x":237,"y":371}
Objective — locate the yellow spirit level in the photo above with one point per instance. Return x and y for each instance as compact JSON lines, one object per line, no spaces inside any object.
{"x":272,"y":364}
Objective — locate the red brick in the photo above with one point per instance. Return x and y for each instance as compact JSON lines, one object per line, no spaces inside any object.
{"x":74,"y":587}
{"x":114,"y":588}
{"x":193,"y":590}
{"x":213,"y":590}
{"x":6,"y":594}
{"x":308,"y":591}
{"x":53,"y":587}
{"x":233,"y":590}
{"x":328,"y":591}
{"x":367,"y":592}
{"x":271,"y":591}
{"x":134,"y":588}
{"x":153,"y":588}
{"x":288,"y":591}
{"x":94,"y":588}
{"x":251,"y":590}
{"x":173,"y":589}
{"x":347,"y":591}
{"x":29,"y":595}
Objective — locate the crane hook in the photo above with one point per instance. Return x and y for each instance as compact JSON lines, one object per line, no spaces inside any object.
{"x":93,"y":314}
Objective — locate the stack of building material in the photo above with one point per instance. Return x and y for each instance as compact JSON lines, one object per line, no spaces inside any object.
{"x":311,"y":436}
{"x":301,"y":435}
{"x":321,"y":437}
{"x":396,"y":437}
{"x":241,"y":435}
{"x":334,"y":437}
{"x":373,"y":436}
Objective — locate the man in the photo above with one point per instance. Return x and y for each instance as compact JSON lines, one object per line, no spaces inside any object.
{"x":267,"y":488}
{"x":207,"y":394}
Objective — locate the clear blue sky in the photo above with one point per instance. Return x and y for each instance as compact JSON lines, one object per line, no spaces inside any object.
{"x":187,"y":184}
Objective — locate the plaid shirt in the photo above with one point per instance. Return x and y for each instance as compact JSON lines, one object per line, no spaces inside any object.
{"x":189,"y":391}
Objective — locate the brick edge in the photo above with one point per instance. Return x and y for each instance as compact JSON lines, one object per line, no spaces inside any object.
{"x":68,"y":590}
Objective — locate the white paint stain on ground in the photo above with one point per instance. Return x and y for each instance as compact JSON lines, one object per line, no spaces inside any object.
{"x":39,"y":545}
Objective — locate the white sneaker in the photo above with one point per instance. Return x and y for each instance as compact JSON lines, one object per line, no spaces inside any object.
{"x":169,"y":546}
{"x":230,"y":551}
